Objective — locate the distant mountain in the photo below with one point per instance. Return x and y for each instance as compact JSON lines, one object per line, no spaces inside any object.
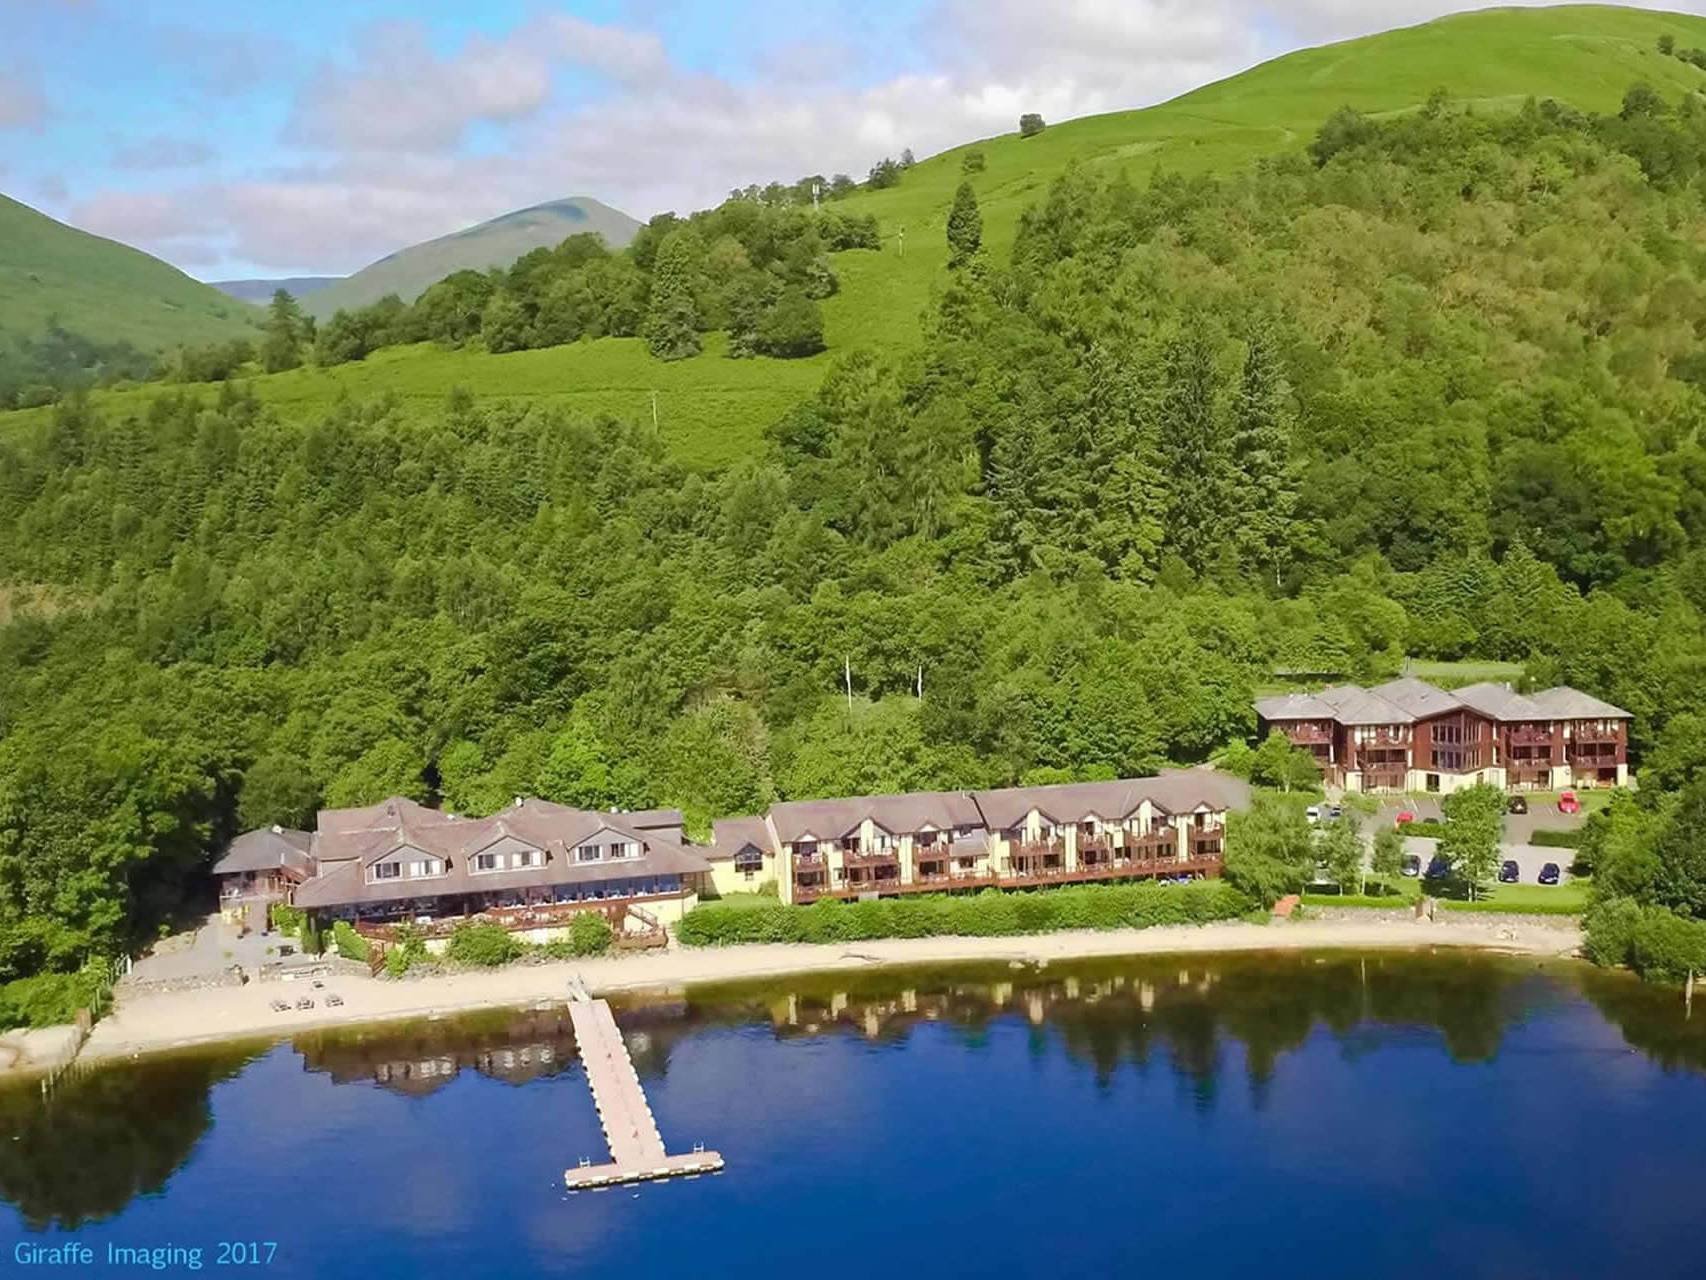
{"x":497,"y":243}
{"x":101,"y":289}
{"x":260,"y":292}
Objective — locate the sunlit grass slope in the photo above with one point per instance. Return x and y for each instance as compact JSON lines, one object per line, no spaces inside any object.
{"x":713,"y":409}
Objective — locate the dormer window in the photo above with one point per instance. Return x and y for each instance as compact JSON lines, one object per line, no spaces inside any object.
{"x":486,"y":862}
{"x":388,"y":871}
{"x":589,"y":853}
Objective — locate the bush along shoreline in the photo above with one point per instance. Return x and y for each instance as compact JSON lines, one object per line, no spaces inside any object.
{"x":483,"y":945}
{"x":991,"y":913}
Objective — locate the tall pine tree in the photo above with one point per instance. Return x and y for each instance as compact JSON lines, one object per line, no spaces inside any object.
{"x":1262,"y":478}
{"x":1194,"y":447}
{"x":965,"y":227}
{"x":672,"y":319}
{"x":281,"y":345}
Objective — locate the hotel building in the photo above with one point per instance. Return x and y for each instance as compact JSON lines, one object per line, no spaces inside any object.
{"x":1408,"y":735}
{"x":534,"y":865}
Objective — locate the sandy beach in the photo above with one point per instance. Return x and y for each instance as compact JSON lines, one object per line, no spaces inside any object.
{"x":150,"y":1023}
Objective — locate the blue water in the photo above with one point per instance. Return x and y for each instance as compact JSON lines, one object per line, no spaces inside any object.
{"x":1307,"y":1116}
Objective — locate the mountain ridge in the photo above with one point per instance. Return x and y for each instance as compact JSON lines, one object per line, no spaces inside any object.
{"x":496,"y":242}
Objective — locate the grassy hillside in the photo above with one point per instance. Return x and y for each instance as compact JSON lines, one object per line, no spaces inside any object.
{"x":1583,"y":55}
{"x":102,"y":289}
{"x":496,"y":243}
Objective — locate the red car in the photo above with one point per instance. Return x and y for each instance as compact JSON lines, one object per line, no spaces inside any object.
{"x":1404,"y":815}
{"x":1567,"y":802}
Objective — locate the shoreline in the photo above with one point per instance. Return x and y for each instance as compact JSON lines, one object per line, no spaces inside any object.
{"x":163,"y":1022}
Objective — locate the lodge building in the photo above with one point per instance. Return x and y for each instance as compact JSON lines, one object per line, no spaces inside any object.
{"x":1408,"y":735}
{"x":534,"y":865}
{"x":1170,"y":825}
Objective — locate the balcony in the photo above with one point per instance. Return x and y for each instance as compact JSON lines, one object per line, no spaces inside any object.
{"x":1384,"y":779}
{"x":871,"y":859}
{"x":1381,"y":737}
{"x":1207,"y":841}
{"x":1528,"y":737}
{"x":1594,"y":755}
{"x":1308,"y":734}
{"x":1586,"y":731}
{"x":1161,"y":842}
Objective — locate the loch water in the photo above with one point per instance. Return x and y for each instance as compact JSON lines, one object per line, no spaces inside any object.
{"x":1321,"y":1115}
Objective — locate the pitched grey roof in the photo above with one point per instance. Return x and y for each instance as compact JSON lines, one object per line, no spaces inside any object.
{"x":730,"y":835}
{"x":1294,"y":706}
{"x":1499,"y":701}
{"x":1352,"y":704}
{"x":1565,"y":703}
{"x":834,"y":819}
{"x":1407,"y":700}
{"x":267,"y":849}
{"x":552,"y":828}
{"x":1418,"y":697}
{"x":654,"y":819}
{"x":1172,"y":791}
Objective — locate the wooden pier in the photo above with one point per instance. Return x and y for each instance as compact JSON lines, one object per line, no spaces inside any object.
{"x":636,"y":1147}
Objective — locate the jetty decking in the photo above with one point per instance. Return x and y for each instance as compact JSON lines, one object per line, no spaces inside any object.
{"x":636,"y":1147}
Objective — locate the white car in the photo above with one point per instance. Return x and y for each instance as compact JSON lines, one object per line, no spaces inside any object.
{"x":1313,"y":813}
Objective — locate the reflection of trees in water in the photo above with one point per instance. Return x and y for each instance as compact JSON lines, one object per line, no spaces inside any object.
{"x":1652,"y":1017}
{"x":104,"y":1138}
{"x":122,"y":1131}
{"x":515,"y":1046}
{"x":1114,"y":1013}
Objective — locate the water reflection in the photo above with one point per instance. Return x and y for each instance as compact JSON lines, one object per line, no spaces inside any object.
{"x":120,"y":1133}
{"x":105,"y":1138}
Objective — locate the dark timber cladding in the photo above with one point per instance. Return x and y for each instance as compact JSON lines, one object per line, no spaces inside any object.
{"x":636,"y":1147}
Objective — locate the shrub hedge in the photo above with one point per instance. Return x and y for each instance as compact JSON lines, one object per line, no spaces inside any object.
{"x":1552,"y":838}
{"x":991,"y":913}
{"x":350,"y":944}
{"x":1654,"y":941}
{"x":46,"y":1000}
{"x":483,"y":943}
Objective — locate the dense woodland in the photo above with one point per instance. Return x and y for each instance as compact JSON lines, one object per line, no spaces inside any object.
{"x":1431,"y":389}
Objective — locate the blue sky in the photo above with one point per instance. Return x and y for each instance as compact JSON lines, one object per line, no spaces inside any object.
{"x":274,"y":138}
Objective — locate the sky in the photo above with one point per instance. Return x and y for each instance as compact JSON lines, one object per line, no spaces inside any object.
{"x":287,"y":137}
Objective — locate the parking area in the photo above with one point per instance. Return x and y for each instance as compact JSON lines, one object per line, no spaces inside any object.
{"x":1543,"y":814}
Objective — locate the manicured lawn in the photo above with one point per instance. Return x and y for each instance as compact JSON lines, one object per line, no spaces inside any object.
{"x":1451,"y":675}
{"x":1571,"y":895}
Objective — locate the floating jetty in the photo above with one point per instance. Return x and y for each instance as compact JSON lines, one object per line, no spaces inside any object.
{"x":636,"y":1147}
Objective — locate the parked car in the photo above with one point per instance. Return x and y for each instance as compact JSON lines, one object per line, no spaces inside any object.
{"x":1439,"y":868}
{"x":1335,"y":811}
{"x":1404,"y":816}
{"x":1516,"y":805}
{"x":1412,"y":864}
{"x":1549,"y":873}
{"x":1508,"y":872}
{"x":1567,"y":802}
{"x":1313,"y":813}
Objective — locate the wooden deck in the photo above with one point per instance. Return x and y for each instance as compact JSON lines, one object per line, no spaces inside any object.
{"x":636,"y":1147}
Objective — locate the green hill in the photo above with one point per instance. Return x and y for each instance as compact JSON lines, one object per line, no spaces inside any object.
{"x":496,"y":243}
{"x":712,"y":409}
{"x":101,"y":289}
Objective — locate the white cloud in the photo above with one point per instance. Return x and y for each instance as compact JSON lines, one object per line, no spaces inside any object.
{"x":386,"y":131}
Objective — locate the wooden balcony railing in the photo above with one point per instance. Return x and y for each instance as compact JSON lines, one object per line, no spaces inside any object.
{"x":1308,"y":734}
{"x":1528,"y":737}
{"x":874,"y":858}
